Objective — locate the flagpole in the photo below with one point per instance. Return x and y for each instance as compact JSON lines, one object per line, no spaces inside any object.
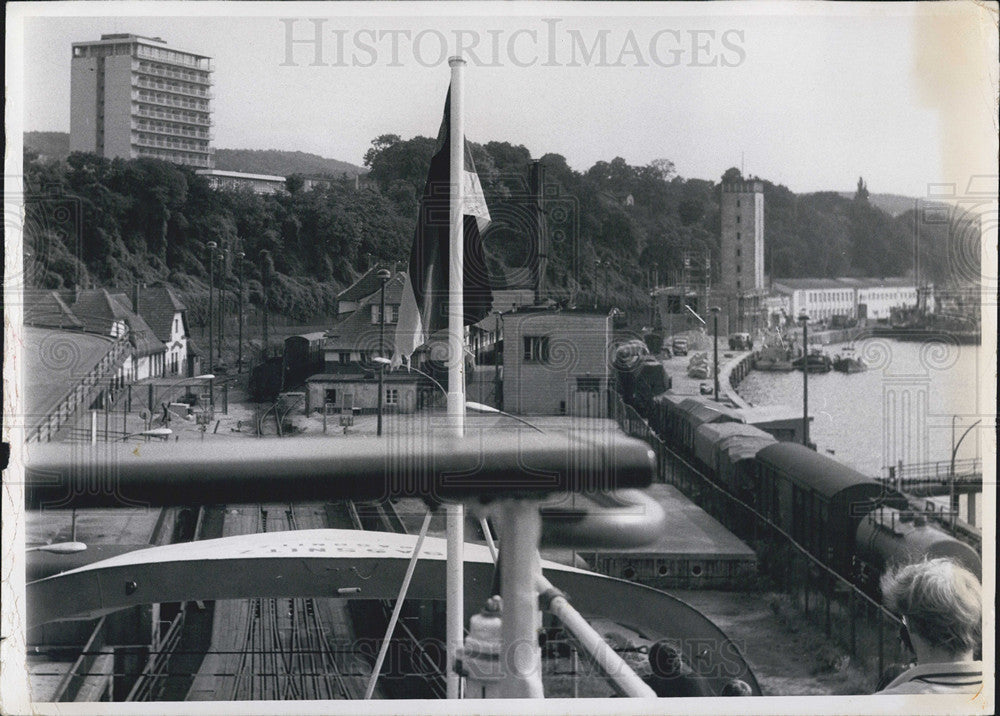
{"x":454,"y":586}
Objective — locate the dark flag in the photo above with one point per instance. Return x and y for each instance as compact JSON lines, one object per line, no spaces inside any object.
{"x":424,"y":307}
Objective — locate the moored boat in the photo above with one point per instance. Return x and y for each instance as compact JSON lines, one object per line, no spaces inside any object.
{"x":815,"y":362}
{"x":848,"y":362}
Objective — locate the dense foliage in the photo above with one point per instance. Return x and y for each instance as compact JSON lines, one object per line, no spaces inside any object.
{"x":146,"y":220}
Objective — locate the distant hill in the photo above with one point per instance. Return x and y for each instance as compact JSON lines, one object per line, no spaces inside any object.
{"x":282,"y":163}
{"x":55,"y":146}
{"x":892,"y":204}
{"x":50,"y":145}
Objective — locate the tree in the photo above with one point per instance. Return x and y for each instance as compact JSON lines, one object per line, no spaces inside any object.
{"x":861,"y":195}
{"x":732,"y":174}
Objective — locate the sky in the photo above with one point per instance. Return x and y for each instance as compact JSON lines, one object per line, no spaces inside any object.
{"x":808,"y":96}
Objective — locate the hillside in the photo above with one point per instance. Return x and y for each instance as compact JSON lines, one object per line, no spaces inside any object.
{"x":55,"y":146}
{"x":891,"y":204}
{"x":150,"y":221}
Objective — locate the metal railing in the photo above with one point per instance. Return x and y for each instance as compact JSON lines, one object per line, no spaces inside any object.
{"x":935,"y":473}
{"x":82,"y":391}
{"x":166,"y":86}
{"x":152,"y":98}
{"x":148,"y":69}
{"x":158,"y":128}
{"x":184,"y":117}
{"x":155,"y":670}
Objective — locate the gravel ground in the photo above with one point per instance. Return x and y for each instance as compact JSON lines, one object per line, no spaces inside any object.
{"x":788,"y":655}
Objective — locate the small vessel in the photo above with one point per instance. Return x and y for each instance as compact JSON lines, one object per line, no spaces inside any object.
{"x":848,"y":362}
{"x":816,"y":362}
{"x":774,"y":356}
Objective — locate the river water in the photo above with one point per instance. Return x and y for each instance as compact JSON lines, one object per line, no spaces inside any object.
{"x":900,"y":409}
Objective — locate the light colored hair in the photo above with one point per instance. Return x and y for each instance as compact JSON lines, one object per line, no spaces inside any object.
{"x":941,"y":600}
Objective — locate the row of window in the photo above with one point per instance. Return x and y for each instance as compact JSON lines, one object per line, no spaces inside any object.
{"x":154,"y":140}
{"x":176,"y":157}
{"x":151,"y":69}
{"x":180,"y":58}
{"x":169,"y":100}
{"x":168,"y":86}
{"x":819,"y":296}
{"x":175,"y":129}
{"x":186,"y":117}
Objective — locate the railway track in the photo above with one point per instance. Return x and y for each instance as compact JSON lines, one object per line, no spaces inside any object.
{"x":286,"y":652}
{"x":299,"y":648}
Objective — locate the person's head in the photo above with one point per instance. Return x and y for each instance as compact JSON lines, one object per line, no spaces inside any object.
{"x":737,"y":687}
{"x":665,"y":660}
{"x":941,"y":606}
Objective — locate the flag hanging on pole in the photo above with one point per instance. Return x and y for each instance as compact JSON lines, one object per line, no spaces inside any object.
{"x":424,"y":307}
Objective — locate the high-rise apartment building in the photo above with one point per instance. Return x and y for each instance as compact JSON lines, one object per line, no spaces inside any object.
{"x":134,"y":97}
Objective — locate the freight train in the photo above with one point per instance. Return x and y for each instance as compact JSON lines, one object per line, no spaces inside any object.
{"x":852,"y":523}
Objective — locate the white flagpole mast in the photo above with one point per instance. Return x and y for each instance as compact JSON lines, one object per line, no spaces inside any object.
{"x":454,"y":583}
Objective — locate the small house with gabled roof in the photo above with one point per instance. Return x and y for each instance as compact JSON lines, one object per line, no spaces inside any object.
{"x":166,"y":315}
{"x":350,"y":377}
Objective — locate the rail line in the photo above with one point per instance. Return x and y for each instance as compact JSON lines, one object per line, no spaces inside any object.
{"x":303,"y":648}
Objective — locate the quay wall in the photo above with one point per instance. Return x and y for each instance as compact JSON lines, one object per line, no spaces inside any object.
{"x":732,"y":372}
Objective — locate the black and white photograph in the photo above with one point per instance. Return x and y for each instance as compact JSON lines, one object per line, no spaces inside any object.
{"x":482,"y":357}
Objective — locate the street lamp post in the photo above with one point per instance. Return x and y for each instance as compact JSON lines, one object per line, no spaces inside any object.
{"x":211,"y":289}
{"x":239,"y":348}
{"x":715,"y":348}
{"x":953,"y":498}
{"x":804,"y":320}
{"x":222,"y":298}
{"x":383,"y":276}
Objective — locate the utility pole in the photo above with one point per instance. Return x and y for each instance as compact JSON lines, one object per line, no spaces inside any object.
{"x":383,"y":276}
{"x":211,"y":290}
{"x":715,"y":349}
{"x":222,"y":297}
{"x":804,"y":320}
{"x":265,"y":281}
{"x":239,"y":348}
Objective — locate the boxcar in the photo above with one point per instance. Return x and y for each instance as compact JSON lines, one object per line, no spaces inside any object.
{"x":692,"y":414}
{"x":818,"y":501}
{"x":728,"y":450}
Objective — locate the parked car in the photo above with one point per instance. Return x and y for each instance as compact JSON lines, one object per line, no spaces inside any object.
{"x":680,"y":346}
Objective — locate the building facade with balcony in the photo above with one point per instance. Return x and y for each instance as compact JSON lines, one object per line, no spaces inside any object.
{"x":133,"y":96}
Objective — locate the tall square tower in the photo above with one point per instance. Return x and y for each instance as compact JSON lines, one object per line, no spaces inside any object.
{"x":133,"y":96}
{"x":742,"y":240}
